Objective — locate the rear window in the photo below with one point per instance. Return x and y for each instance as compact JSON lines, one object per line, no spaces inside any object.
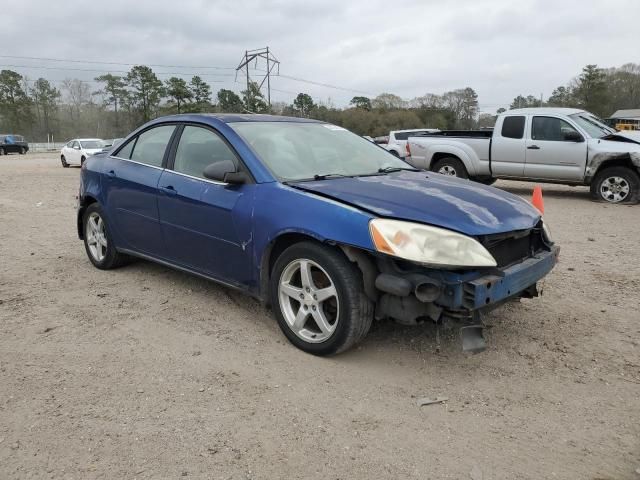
{"x":513,"y":127}
{"x":406,"y":135}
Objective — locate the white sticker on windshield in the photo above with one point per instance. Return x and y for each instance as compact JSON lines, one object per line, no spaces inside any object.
{"x":332,"y":127}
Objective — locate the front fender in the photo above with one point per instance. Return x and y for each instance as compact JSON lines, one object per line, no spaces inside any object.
{"x":281,"y":210}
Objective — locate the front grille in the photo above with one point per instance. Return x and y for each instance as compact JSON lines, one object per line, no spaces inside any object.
{"x":513,"y":247}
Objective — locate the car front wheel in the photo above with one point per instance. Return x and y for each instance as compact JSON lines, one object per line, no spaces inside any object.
{"x":98,"y":241}
{"x":616,"y":185}
{"x":64,"y":161}
{"x":2,"y":151}
{"x":318,"y":299}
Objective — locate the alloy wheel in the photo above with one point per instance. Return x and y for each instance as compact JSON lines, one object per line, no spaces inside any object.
{"x":614,"y":189}
{"x":448,"y":170}
{"x":96,"y":235}
{"x":308,"y":300}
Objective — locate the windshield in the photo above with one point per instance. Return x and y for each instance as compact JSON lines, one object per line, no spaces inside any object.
{"x":92,"y":144}
{"x":300,"y":151}
{"x":592,"y":124}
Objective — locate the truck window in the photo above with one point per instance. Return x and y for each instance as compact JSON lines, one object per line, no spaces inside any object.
{"x":513,"y":127}
{"x":550,"y":129}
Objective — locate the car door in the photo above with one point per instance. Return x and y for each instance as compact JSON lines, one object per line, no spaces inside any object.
{"x":130,"y":182}
{"x":74,"y":152}
{"x":555,"y":150}
{"x":508,"y":147}
{"x":206,"y":224}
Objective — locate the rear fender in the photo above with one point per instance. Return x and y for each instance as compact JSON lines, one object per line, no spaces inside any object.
{"x":463,"y":152}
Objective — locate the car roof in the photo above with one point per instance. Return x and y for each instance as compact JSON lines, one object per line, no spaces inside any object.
{"x":85,"y":140}
{"x":543,"y":110}
{"x":236,"y":118}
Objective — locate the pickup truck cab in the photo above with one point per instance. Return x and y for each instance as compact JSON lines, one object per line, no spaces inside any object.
{"x":554,"y":145}
{"x":397,"y":142}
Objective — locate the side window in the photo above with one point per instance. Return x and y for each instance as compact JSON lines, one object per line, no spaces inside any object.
{"x":402,"y":135}
{"x":550,"y":129}
{"x":151,"y":145}
{"x":513,"y":127}
{"x":125,"y":152}
{"x":199,"y":148}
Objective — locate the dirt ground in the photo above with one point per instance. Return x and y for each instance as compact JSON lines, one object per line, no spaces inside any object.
{"x":145,"y":372}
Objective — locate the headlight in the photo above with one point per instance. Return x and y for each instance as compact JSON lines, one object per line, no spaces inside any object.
{"x":546,"y":232}
{"x":428,"y":245}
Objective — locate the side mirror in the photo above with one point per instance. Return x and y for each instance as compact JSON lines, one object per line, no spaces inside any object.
{"x":225,"y":171}
{"x":573,"y":136}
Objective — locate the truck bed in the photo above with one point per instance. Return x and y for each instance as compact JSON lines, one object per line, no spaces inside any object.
{"x":460,"y":134}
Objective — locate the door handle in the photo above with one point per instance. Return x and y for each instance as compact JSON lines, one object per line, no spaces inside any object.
{"x":111,"y":174}
{"x":533,"y":147}
{"x":168,"y":190}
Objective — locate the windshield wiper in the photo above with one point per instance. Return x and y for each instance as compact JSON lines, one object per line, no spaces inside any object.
{"x":397,"y":169}
{"x":330,"y":175}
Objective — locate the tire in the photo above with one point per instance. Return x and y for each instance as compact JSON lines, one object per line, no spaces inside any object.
{"x":347,"y":312}
{"x":450,"y":166}
{"x":82,"y":160}
{"x":2,"y":152}
{"x":485,"y":180}
{"x":22,"y":151}
{"x":64,"y":161}
{"x":616,"y":185}
{"x":394,"y":153}
{"x":109,"y":257}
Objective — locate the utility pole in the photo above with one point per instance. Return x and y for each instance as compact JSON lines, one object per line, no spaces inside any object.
{"x":258,"y":56}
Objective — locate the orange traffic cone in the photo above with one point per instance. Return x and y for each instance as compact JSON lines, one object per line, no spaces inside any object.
{"x":537,"y":198}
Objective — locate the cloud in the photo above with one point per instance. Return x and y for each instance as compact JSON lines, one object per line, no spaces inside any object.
{"x":408,"y":47}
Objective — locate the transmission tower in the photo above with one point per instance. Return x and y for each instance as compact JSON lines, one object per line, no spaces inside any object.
{"x":259,"y":56}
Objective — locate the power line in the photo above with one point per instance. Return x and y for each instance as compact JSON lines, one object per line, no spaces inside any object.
{"x":98,"y":62}
{"x":44,"y":67}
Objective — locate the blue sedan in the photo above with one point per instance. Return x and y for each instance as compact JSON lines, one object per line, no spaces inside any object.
{"x":329,"y":229}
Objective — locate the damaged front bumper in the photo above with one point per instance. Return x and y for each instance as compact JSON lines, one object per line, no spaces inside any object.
{"x":413,"y":296}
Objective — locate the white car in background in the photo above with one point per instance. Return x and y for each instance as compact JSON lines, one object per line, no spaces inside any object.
{"x":397,"y":143}
{"x":76,"y":151}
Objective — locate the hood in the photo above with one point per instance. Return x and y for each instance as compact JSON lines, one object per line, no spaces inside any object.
{"x":461,"y":205}
{"x":624,"y":136}
{"x":92,"y":151}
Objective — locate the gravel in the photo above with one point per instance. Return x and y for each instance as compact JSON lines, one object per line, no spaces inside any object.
{"x":102,"y":373}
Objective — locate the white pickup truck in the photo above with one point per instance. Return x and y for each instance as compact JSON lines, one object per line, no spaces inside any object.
{"x":553,"y":145}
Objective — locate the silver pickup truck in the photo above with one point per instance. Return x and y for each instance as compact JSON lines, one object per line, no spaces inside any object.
{"x":553,"y":145}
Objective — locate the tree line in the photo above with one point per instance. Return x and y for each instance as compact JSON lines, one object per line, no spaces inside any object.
{"x":39,"y":109}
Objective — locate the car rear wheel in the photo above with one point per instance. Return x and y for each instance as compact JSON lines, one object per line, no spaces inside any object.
{"x":22,"y":151}
{"x":64,"y":161}
{"x":98,"y":241}
{"x":2,"y":151}
{"x":616,"y":185}
{"x":451,"y":166}
{"x":318,"y":299}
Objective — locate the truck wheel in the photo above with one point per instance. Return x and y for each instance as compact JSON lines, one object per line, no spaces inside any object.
{"x":394,"y":153}
{"x":616,"y":185}
{"x":2,"y":151}
{"x":485,"y":180}
{"x":451,"y":166}
{"x":318,"y":299}
{"x":22,"y":151}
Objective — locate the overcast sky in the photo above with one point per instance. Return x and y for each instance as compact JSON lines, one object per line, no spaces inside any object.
{"x":501,"y":48}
